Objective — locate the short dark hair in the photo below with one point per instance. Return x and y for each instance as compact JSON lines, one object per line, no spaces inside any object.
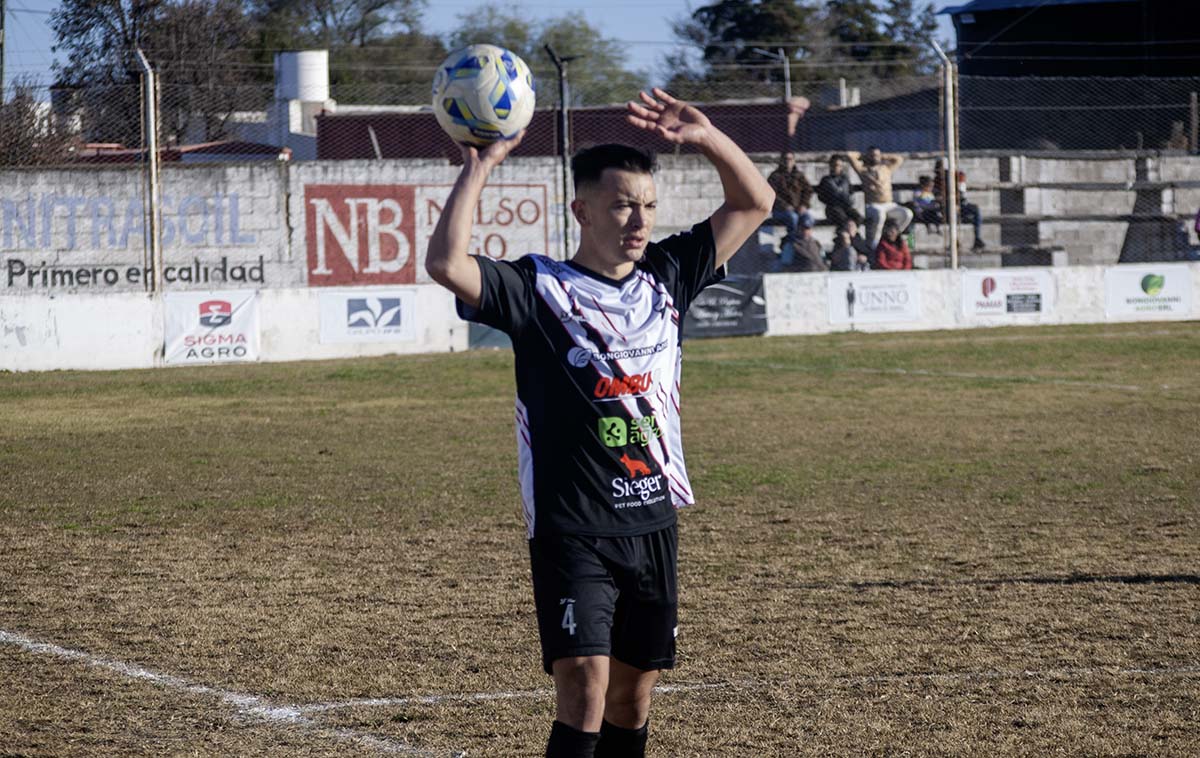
{"x":891,"y":223}
{"x":588,"y":164}
{"x":924,"y":179}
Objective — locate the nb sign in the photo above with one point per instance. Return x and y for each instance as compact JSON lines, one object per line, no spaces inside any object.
{"x":359,"y":234}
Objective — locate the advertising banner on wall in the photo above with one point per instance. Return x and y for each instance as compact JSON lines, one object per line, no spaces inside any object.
{"x":376,"y":234}
{"x":874,"y":297}
{"x":1007,"y":293}
{"x":211,"y":327}
{"x":733,"y":307}
{"x":368,"y":315}
{"x":1150,"y":291}
{"x":84,"y":230}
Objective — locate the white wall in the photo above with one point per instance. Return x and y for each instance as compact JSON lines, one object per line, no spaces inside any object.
{"x":118,"y":331}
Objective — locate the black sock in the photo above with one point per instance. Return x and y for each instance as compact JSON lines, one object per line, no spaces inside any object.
{"x":616,"y":742}
{"x":569,"y":742}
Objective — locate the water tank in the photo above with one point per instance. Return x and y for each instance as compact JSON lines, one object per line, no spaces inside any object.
{"x":302,"y":75}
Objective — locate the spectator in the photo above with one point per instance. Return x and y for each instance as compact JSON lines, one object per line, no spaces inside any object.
{"x":834,"y":191}
{"x":843,"y":255}
{"x":875,"y":170}
{"x":925,"y":206}
{"x":866,"y":253}
{"x":892,"y":252}
{"x":793,"y":194}
{"x":808,"y":255}
{"x":968,"y":213}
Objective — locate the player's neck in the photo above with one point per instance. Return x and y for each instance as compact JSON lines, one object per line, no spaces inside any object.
{"x":596,"y":263}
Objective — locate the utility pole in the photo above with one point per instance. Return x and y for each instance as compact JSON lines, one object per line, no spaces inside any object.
{"x":3,"y":16}
{"x":561,"y":62}
{"x":783,"y":58}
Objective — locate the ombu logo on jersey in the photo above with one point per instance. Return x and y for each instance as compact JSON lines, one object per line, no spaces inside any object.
{"x":211,"y":327}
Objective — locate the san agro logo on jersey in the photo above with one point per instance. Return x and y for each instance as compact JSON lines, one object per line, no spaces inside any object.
{"x":642,"y":486}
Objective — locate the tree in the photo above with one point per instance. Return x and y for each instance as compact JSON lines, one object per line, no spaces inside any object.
{"x":377,"y":51}
{"x":726,"y":34}
{"x":854,"y":39}
{"x":200,"y":51}
{"x":29,"y":135}
{"x":597,"y":76}
{"x":100,"y":38}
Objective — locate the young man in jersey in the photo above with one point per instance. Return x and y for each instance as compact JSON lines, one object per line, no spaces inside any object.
{"x":597,"y":344}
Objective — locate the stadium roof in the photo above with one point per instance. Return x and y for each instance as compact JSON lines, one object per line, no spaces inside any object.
{"x":977,"y":6}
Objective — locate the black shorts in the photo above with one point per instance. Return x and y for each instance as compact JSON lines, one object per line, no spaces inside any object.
{"x":613,"y":596}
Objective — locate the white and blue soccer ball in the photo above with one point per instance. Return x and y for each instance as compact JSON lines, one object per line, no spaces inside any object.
{"x":483,"y":93}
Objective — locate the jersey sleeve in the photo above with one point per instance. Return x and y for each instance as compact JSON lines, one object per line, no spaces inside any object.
{"x":506,"y":297}
{"x":685,"y":262}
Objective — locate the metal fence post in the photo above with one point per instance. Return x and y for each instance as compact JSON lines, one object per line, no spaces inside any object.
{"x":951,"y":152}
{"x":150,"y":108}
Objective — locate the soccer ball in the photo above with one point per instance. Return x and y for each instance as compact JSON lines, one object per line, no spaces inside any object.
{"x":483,"y":93}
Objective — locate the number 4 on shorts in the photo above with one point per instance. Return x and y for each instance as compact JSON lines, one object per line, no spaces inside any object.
{"x":568,"y":620}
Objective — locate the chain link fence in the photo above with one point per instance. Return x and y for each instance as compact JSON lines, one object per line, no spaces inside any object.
{"x":1052,"y":164}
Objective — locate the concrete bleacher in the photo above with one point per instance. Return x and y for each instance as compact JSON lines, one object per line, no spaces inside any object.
{"x":1093,"y":208}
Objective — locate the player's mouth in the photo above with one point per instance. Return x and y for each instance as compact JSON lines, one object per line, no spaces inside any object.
{"x":633,"y":243}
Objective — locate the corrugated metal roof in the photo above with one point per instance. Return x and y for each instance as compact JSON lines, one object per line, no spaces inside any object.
{"x":980,"y":6}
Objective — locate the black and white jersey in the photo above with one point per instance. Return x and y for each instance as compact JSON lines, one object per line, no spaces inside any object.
{"x":598,"y":365}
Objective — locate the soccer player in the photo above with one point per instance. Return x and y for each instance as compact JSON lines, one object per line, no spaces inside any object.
{"x":597,"y":344}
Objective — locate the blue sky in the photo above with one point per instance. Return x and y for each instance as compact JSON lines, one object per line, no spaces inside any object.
{"x":643,"y":25}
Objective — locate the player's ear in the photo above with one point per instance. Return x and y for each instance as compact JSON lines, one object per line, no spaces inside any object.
{"x":579,"y":208}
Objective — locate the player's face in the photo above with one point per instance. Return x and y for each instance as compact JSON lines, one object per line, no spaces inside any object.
{"x":618,"y":213}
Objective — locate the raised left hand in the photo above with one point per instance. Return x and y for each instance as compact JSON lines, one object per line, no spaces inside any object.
{"x":671,"y":119}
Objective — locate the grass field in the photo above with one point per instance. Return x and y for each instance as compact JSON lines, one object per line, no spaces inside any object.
{"x":953,"y":543}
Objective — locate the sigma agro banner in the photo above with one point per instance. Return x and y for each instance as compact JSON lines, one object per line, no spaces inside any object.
{"x":85,"y":231}
{"x":735,"y":306}
{"x":874,"y":298}
{"x":384,"y":315}
{"x":376,"y":234}
{"x":211,"y":327}
{"x":1007,"y":293}
{"x":1148,"y":291}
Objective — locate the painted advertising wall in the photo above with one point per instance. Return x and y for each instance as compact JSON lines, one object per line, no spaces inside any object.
{"x":84,"y":230}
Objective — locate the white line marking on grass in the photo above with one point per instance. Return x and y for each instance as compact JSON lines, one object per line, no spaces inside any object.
{"x":247,"y":705}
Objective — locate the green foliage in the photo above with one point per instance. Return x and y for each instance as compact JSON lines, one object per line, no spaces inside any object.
{"x":28,"y":135}
{"x":855,"y":39}
{"x":596,"y":76}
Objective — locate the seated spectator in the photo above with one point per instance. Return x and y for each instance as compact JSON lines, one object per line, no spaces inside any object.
{"x":808,"y":255}
{"x":892,"y":252}
{"x":834,"y":191}
{"x":843,"y":256}
{"x":926,"y":208}
{"x":866,"y":253}
{"x":874,"y":170}
{"x":793,"y":194}
{"x":968,"y":212}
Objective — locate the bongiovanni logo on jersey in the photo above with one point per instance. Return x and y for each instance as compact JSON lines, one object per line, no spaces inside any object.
{"x":580,"y":356}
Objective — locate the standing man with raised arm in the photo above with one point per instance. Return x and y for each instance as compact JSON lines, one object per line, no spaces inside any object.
{"x":874,"y":169}
{"x":600,"y":459}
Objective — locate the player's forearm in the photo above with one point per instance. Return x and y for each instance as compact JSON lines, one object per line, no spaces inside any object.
{"x":448,"y":245}
{"x":744,"y":186}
